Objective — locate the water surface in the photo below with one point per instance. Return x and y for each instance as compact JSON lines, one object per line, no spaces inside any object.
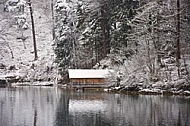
{"x":49,"y":106}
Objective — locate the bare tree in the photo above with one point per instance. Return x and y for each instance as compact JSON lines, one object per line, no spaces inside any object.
{"x":178,"y":55}
{"x":47,"y":7}
{"x":33,"y":30}
{"x":3,"y":35}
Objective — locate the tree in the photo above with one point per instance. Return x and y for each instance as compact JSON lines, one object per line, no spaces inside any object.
{"x":33,"y":30}
{"x":178,"y":56}
{"x":106,"y":26}
{"x":3,"y":35}
{"x":154,"y":29}
{"x":53,"y":24}
{"x":47,"y":8}
{"x":92,"y":32}
{"x":64,"y":35}
{"x":122,"y":13}
{"x":15,"y":11}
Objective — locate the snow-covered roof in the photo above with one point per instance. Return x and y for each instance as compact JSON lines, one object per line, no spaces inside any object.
{"x":88,"y":73}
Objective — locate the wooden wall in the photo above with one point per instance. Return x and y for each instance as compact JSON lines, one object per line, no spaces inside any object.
{"x":87,"y":81}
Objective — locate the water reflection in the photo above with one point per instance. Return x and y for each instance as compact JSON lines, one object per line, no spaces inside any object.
{"x":38,"y":106}
{"x":27,"y":106}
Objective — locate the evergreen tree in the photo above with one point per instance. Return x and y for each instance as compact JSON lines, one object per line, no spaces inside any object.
{"x":123,"y":12}
{"x":64,"y":34}
{"x":93,"y":32}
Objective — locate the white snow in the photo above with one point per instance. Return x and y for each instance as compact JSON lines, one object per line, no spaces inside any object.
{"x":22,"y":49}
{"x":187,"y":92}
{"x":17,"y":51}
{"x":151,"y":90}
{"x":88,"y":73}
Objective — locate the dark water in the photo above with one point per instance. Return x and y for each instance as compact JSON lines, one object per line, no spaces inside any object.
{"x":40,"y":106}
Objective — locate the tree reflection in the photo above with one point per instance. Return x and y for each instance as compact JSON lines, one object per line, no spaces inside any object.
{"x":49,"y":106}
{"x":62,"y":112}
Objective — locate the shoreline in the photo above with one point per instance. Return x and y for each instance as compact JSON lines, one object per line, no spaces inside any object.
{"x":144,"y":91}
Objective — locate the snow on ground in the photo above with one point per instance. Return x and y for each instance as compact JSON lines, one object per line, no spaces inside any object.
{"x":17,"y":58}
{"x":132,"y":75}
{"x":22,"y":63}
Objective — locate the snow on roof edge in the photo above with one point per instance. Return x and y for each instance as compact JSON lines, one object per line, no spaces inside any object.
{"x":88,"y":73}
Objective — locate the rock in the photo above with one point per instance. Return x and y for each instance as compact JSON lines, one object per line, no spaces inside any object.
{"x":12,"y":78}
{"x":3,"y":82}
{"x":158,"y":84}
{"x":12,"y":67}
{"x":150,"y":91}
{"x":2,"y":66}
{"x":186,"y":93}
{"x":131,"y":88}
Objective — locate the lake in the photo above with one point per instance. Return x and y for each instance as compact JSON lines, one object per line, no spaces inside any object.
{"x":51,"y":106}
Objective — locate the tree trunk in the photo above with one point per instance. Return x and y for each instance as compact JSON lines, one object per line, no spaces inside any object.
{"x":53,"y":27}
{"x":178,"y":37}
{"x":33,"y":31}
{"x":103,"y":30}
{"x":178,"y":56}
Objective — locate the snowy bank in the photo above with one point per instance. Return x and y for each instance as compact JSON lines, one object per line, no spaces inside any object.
{"x":17,"y":56}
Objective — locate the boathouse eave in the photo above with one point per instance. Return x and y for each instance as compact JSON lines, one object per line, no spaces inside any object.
{"x":88,"y":73}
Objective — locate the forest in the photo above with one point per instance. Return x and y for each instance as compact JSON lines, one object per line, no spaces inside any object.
{"x":146,"y":42}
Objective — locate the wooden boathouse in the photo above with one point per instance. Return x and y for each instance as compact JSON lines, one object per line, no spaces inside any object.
{"x":88,"y":78}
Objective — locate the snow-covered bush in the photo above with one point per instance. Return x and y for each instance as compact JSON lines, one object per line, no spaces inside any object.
{"x":21,"y":21}
{"x":15,"y":6}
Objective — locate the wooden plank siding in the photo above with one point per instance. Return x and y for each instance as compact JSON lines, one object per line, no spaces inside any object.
{"x":87,"y":82}
{"x":87,"y":78}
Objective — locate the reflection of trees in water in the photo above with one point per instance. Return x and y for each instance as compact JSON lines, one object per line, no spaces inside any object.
{"x":28,"y":106}
{"x":35,"y":116}
{"x":88,"y":118}
{"x":62,"y":112}
{"x":148,"y":110}
{"x":47,"y":106}
{"x":121,"y":110}
{"x":97,"y":118}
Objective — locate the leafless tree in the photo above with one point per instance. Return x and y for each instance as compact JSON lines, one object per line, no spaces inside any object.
{"x":3,"y":35}
{"x":33,"y":30}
